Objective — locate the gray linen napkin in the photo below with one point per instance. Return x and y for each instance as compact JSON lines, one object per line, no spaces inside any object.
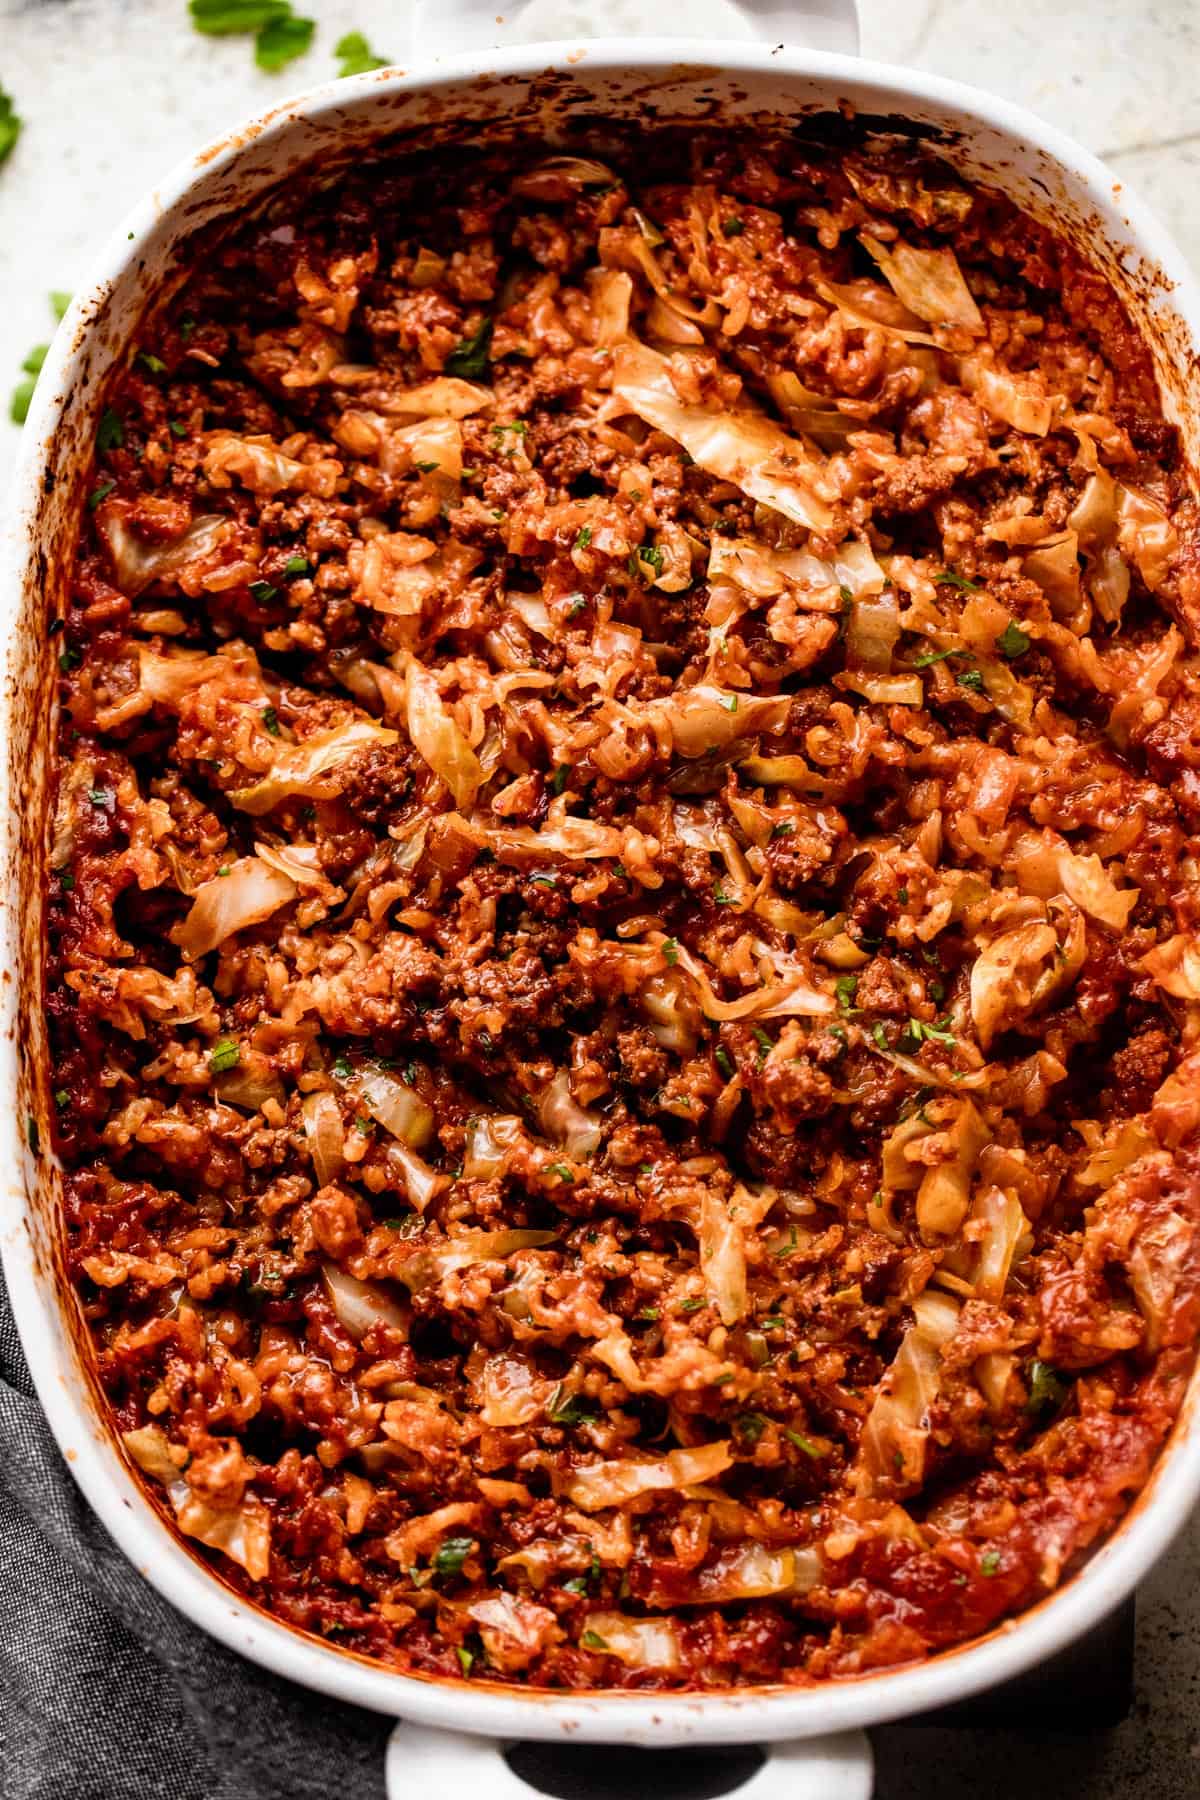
{"x":107,"y":1693}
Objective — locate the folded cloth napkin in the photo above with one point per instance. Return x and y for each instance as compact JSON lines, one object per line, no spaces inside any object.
{"x":106,"y":1693}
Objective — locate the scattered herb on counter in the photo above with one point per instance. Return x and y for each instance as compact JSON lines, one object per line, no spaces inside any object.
{"x":357,"y":57}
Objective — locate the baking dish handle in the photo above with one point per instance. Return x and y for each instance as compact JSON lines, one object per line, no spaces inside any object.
{"x":449,"y":1765}
{"x":449,"y":27}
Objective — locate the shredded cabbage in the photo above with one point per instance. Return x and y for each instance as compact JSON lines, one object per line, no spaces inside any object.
{"x":929,"y":282}
{"x":306,"y":770}
{"x":598,"y":1485}
{"x":360,"y":1305}
{"x":743,"y":447}
{"x":641,"y":1643}
{"x":247,"y":895}
{"x":891,"y":1450}
{"x":723,"y":1257}
{"x":436,"y":736}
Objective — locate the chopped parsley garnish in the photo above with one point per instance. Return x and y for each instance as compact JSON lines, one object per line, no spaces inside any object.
{"x":224,"y":1055}
{"x":357,"y":58}
{"x":10,"y":126}
{"x":971,"y":678}
{"x":427,"y":468}
{"x":751,"y":1426}
{"x":100,"y":493}
{"x":1047,"y":1389}
{"x":23,"y":392}
{"x":31,"y":1133}
{"x":670,"y":949}
{"x":932,"y":656}
{"x":989,"y":1562}
{"x":729,"y":702}
{"x":691,"y":1306}
{"x":576,"y":1585}
{"x":591,"y":1640}
{"x":724,"y":1062}
{"x":62,"y":1098}
{"x":342,"y":1069}
{"x":296,"y":565}
{"x":802,"y":1443}
{"x":469,"y":359}
{"x":792,"y":1242}
{"x":765,"y":1042}
{"x":153,"y":364}
{"x":948,"y":578}
{"x":452,"y":1554}
{"x":1013,"y":642}
{"x":576,"y":607}
{"x":646,"y":556}
{"x":270,"y":720}
{"x":571,"y":1409}
{"x":544,"y":878}
{"x":563,"y":1171}
{"x":720,"y":897}
{"x":99,"y":796}
{"x":734,"y":227}
{"x":263,"y":591}
{"x":59,"y":302}
{"x":558,"y":780}
{"x":584,"y":539}
{"x":920,"y":1032}
{"x":176,"y":428}
{"x":465,"y":1657}
{"x":647,"y":1315}
{"x":110,"y":433}
{"x":846,"y":988}
{"x":785,"y":828}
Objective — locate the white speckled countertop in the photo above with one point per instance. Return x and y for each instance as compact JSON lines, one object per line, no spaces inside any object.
{"x":113,"y":92}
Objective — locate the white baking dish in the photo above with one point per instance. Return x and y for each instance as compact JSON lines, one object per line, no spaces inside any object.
{"x":820,"y":1745}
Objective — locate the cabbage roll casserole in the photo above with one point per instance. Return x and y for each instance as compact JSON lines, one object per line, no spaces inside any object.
{"x":623,"y":950}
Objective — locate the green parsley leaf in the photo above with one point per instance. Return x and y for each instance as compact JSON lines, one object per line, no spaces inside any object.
{"x":10,"y":126}
{"x":110,"y":433}
{"x":59,"y":302}
{"x":226,"y":18}
{"x":670,"y":949}
{"x":576,"y":1585}
{"x":66,"y":883}
{"x":154,"y":364}
{"x":720,"y":897}
{"x":263,"y":591}
{"x":765,"y":1042}
{"x":543,"y":878}
{"x":729,"y":702}
{"x":563,"y":1171}
{"x":750,"y":1426}
{"x":846,"y":987}
{"x":356,"y":55}
{"x":802,"y":1443}
{"x":989,"y":1562}
{"x":734,"y":227}
{"x":342,"y":1069}
{"x":591,"y":1640}
{"x":691,"y":1306}
{"x":791,"y":1243}
{"x":470,"y":358}
{"x":99,"y":796}
{"x":1013,"y":642}
{"x":224,"y":1055}
{"x":465,"y":1657}
{"x":583,"y":540}
{"x":99,"y":493}
{"x":270,"y":719}
{"x":281,"y":40}
{"x":31,"y":1133}
{"x":452,"y":1553}
{"x":37,"y":356}
{"x":296,"y":565}
{"x":177,"y":428}
{"x":426,"y":468}
{"x":69,"y":659}
{"x":948,"y":578}
{"x":971,"y":678}
{"x":577,"y":605}
{"x":724,"y":1062}
{"x":880,"y":1035}
{"x":558,"y":780}
{"x":62,"y":1098}
{"x":785,"y":828}
{"x":22,"y":397}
